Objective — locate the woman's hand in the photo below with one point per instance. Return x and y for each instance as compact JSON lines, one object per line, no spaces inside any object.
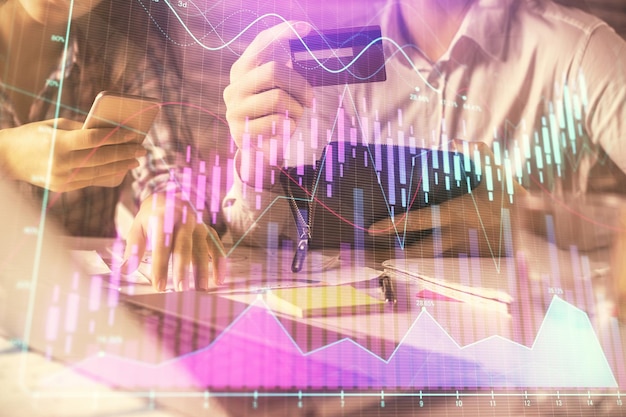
{"x":61,"y":156}
{"x":170,"y":228}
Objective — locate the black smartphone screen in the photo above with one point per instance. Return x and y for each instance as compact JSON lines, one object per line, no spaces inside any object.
{"x":352,"y":186}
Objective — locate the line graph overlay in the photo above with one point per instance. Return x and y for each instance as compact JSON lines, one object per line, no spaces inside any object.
{"x":227,"y":44}
{"x":257,"y":352}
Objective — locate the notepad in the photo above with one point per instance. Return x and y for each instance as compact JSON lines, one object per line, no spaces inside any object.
{"x":321,"y":301}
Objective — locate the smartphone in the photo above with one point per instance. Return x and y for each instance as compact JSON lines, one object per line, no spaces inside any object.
{"x":352,"y":186}
{"x":135,"y":113}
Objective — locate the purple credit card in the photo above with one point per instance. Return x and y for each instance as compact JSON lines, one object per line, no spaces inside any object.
{"x":340,"y":56}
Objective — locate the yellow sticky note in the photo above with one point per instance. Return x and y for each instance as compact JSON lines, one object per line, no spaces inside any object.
{"x":322,"y":301}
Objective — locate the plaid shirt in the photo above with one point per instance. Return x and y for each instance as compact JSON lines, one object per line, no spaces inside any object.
{"x":91,"y":211}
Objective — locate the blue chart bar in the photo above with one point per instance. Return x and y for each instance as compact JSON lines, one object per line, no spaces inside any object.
{"x":391,"y":176}
{"x":425,"y":180}
{"x":359,"y":225}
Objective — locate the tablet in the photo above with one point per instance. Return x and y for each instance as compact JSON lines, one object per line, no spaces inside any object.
{"x":352,"y":186}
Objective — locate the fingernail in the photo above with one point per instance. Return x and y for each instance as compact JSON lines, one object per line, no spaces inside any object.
{"x":180,"y":286}
{"x":161,"y":284}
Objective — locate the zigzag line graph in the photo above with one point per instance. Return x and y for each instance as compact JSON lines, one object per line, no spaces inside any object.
{"x":568,"y":111}
{"x":227,"y":44}
{"x":256,"y":352}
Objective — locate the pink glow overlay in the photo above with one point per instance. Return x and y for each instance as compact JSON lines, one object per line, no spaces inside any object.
{"x":257,"y":352}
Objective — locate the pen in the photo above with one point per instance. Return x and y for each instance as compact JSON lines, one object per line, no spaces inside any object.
{"x":386,"y":287}
{"x":301,"y":250}
{"x":304,"y":220}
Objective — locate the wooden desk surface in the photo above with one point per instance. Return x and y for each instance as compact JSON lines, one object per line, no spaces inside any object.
{"x":99,"y":399}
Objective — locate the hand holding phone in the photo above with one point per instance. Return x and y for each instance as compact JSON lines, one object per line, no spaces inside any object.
{"x":128,"y":112}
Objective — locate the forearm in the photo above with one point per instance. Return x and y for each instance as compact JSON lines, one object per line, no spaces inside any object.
{"x":187,"y":170}
{"x":259,"y":161}
{"x":257,"y":168}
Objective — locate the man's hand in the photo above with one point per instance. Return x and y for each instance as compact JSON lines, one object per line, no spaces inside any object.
{"x":170,"y":227}
{"x":78,"y":157}
{"x":264,"y":88}
{"x":481,"y":211}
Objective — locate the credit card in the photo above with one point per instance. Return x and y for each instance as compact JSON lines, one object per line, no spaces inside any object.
{"x":340,"y":56}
